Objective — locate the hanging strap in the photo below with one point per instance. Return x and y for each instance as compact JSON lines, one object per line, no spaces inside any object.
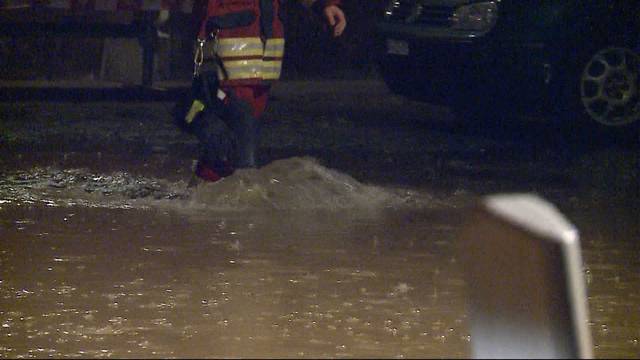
{"x":266,"y":18}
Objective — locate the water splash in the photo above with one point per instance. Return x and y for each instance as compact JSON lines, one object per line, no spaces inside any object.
{"x":80,"y":187}
{"x":289,"y":184}
{"x":294,"y":184}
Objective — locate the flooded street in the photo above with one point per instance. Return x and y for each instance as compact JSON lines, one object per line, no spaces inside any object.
{"x":322,"y":252}
{"x":149,"y":284}
{"x":170,"y":281}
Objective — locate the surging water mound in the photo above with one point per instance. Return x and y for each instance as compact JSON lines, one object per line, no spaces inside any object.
{"x":294,"y":184}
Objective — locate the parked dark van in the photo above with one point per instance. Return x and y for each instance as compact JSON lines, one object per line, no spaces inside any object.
{"x":576,"y":60}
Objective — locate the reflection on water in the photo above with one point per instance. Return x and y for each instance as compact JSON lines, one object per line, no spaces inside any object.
{"x":313,"y":270}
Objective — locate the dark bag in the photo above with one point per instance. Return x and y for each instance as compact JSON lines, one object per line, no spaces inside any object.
{"x":200,"y":112}
{"x":200,"y":98}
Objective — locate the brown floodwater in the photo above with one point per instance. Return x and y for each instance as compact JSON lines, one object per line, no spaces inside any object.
{"x":292,"y":260}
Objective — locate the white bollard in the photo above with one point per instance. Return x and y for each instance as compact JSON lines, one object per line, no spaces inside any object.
{"x":526,"y":286}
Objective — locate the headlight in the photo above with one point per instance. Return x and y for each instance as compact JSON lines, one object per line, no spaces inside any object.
{"x":476,"y":17}
{"x":392,"y":5}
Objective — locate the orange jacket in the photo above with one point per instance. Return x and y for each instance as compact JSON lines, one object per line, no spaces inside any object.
{"x":248,"y":39}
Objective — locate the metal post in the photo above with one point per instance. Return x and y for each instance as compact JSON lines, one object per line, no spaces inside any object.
{"x":148,"y":40}
{"x":527,"y":289}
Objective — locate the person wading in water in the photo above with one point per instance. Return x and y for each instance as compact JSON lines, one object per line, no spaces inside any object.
{"x":239,"y":54}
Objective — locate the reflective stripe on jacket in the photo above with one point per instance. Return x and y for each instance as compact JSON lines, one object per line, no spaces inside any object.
{"x":248,"y":50}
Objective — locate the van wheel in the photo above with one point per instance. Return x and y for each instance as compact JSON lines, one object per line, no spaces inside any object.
{"x":600,"y":101}
{"x":609,"y":87}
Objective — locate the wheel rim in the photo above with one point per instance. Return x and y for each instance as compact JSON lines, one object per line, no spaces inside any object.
{"x":609,"y":87}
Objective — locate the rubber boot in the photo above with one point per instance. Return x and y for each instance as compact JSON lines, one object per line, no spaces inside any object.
{"x":245,"y":128}
{"x":247,"y":142}
{"x":215,"y":147}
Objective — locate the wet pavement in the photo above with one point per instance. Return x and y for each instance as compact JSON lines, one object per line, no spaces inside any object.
{"x":340,"y":246}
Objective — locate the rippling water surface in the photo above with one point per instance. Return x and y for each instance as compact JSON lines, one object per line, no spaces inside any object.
{"x":291,"y":260}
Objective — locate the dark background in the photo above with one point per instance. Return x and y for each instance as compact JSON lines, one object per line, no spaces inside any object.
{"x":311,"y":52}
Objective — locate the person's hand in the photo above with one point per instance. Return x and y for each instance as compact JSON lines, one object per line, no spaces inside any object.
{"x":335,"y":17}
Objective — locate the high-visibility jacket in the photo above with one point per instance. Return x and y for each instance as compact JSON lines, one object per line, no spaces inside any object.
{"x":250,"y":50}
